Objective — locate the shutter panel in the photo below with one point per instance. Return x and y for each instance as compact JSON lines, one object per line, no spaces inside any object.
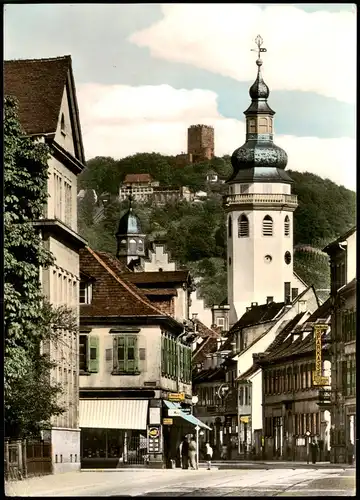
{"x":121,"y":354}
{"x":181,"y":374}
{"x":166,"y":356}
{"x":115,"y":354}
{"x":162,"y":355}
{"x":131,"y":354}
{"x":171,"y":357}
{"x":94,"y":353}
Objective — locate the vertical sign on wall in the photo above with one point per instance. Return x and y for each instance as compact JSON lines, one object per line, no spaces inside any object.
{"x":318,"y":379}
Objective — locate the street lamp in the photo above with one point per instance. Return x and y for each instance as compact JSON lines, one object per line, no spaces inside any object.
{"x":308,"y":433}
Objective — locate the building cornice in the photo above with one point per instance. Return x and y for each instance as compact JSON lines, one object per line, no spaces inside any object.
{"x":55,"y":227}
{"x":67,"y":159}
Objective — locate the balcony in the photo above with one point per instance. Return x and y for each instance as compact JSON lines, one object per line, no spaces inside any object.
{"x":257,"y":200}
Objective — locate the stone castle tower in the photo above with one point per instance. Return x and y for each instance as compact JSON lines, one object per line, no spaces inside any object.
{"x":259,"y":208}
{"x":200,"y":143}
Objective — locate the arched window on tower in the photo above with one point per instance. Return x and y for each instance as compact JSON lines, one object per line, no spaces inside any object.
{"x":243,"y":226}
{"x":262,"y":126}
{"x":287,"y":226}
{"x":123,"y":245}
{"x":132,"y":246}
{"x":267,"y":228}
{"x":140,"y":245}
{"x":230,"y":227}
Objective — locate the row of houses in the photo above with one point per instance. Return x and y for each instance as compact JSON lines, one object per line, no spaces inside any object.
{"x":257,"y":385}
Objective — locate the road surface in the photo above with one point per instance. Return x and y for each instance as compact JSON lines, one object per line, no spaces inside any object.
{"x":177,"y":482}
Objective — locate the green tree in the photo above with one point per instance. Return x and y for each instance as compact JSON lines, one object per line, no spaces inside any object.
{"x":26,"y":314}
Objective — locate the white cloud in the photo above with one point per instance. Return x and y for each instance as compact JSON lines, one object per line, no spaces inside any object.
{"x":121,"y":120}
{"x":306,"y":51}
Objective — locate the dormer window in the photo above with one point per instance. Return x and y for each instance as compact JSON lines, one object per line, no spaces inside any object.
{"x":85,"y":295}
{"x":62,"y":124}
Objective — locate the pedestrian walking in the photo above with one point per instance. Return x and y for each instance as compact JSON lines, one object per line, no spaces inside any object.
{"x":208,"y":455}
{"x":192,"y":453}
{"x":184,"y":453}
{"x":314,"y":450}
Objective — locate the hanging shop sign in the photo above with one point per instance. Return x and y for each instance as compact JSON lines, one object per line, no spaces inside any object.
{"x":174,"y":412}
{"x":176,"y":396}
{"x":167,"y":421}
{"x":318,"y":378}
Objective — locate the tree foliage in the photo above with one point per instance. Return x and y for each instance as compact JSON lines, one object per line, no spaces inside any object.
{"x":28,"y":319}
{"x":196,"y":234}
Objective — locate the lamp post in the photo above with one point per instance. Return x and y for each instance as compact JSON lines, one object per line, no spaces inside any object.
{"x":308,"y":446}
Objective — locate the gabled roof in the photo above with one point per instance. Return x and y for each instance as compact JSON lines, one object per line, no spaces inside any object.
{"x":209,"y":375}
{"x":137,"y":178}
{"x":280,"y":338}
{"x":204,"y":331}
{"x":152,"y":292}
{"x":146,"y":278}
{"x":341,"y":238}
{"x":113,"y":296}
{"x":38,"y":85}
{"x":258,"y":314}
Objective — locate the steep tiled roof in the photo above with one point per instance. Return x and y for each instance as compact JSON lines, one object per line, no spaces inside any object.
{"x":280,"y":338}
{"x":146,"y":278}
{"x":208,"y":346}
{"x":38,"y":85}
{"x":258,"y":314}
{"x":159,"y":291}
{"x":134,"y":178}
{"x":113,"y":262}
{"x":321,"y":312}
{"x":209,"y":375}
{"x":204,"y":331}
{"x":112,"y":294}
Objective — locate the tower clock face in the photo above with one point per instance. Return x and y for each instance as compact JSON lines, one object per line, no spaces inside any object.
{"x":267,"y":259}
{"x":287,"y":257}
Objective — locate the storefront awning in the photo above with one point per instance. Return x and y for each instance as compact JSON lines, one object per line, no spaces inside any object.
{"x":189,"y":418}
{"x":113,"y":413}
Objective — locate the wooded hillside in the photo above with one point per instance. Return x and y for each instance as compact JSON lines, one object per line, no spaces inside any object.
{"x":195,"y":232}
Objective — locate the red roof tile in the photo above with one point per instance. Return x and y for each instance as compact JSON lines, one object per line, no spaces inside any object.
{"x":112,"y":295}
{"x":38,"y":85}
{"x":137,"y":178}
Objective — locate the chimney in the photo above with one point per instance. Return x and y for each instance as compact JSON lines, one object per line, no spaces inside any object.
{"x":269,"y":300}
{"x":254,"y":304}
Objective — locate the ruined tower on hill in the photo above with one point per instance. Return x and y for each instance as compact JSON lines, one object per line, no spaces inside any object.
{"x":200,"y":143}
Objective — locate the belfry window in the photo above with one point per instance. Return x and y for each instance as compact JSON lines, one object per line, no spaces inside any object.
{"x":263,"y":126}
{"x":287,"y":226}
{"x":251,"y":126}
{"x":132,"y":246}
{"x":267,"y":228}
{"x":140,"y":245}
{"x":243,"y":226}
{"x":230,"y":227}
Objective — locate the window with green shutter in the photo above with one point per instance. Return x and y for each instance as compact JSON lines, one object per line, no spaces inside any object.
{"x":126,"y":354}
{"x":167,"y":357}
{"x":93,"y":353}
{"x":181,"y":374}
{"x":162,"y":355}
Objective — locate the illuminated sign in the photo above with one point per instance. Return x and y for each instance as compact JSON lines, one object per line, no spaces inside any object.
{"x":318,"y":378}
{"x":167,"y":421}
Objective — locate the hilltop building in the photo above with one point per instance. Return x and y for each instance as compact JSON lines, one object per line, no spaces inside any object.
{"x":48,"y":112}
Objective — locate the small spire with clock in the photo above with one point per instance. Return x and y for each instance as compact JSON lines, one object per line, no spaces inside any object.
{"x":259,"y":209}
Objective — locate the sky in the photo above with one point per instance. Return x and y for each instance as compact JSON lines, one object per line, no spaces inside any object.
{"x":145,"y":72}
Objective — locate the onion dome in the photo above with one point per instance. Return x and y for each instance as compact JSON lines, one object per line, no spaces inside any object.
{"x":129,"y":222}
{"x":259,"y":159}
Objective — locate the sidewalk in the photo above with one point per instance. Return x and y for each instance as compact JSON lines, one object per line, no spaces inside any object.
{"x":278,"y":464}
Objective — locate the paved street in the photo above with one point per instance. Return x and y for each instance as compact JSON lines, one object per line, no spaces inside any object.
{"x":217,"y":482}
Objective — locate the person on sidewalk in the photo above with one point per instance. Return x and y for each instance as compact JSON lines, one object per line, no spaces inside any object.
{"x":208,"y":455}
{"x":184,"y":453}
{"x":314,"y":451}
{"x":192,"y":453}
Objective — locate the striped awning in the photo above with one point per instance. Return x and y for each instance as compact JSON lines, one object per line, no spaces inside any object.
{"x":113,"y":413}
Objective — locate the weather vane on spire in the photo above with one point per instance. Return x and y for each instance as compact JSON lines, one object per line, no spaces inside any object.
{"x":259,"y":41}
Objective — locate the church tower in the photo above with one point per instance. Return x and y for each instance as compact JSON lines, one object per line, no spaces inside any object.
{"x":259,"y":210}
{"x":130,"y":238}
